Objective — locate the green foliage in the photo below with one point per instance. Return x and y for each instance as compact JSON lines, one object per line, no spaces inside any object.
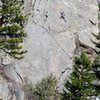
{"x":78,"y":86}
{"x":96,"y":63}
{"x":96,"y":69}
{"x":99,"y":5}
{"x":11,"y":27}
{"x":45,"y":90}
{"x":97,"y":44}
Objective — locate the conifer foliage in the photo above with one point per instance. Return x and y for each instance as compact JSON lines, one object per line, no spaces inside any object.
{"x":44,"y":90}
{"x":79,"y":85}
{"x":96,"y":63}
{"x":11,"y":27}
{"x":96,"y":69}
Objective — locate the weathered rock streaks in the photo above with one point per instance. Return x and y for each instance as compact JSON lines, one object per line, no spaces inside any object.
{"x":50,"y":41}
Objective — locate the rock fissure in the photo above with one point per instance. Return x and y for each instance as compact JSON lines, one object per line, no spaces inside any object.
{"x":13,"y":86}
{"x":57,"y":43}
{"x":33,"y":2}
{"x":64,"y":71}
{"x":50,"y":42}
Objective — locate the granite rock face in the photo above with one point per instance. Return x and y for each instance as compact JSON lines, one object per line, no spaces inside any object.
{"x":51,"y":29}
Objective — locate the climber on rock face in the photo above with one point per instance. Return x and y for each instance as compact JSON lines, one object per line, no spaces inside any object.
{"x":63,"y":16}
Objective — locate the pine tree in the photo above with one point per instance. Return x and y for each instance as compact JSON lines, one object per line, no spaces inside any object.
{"x":11,"y":27}
{"x":44,"y":90}
{"x":96,"y":63}
{"x":79,"y":85}
{"x":96,"y":69}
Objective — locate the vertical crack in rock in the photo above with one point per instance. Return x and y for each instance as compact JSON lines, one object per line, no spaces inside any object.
{"x":56,"y":42}
{"x":54,"y":39}
{"x":92,"y":22}
{"x":19,"y":76}
{"x":64,"y":71}
{"x":75,"y":16}
{"x":38,"y":5}
{"x":59,"y":44}
{"x":13,"y":86}
{"x":44,"y":15}
{"x":33,"y":2}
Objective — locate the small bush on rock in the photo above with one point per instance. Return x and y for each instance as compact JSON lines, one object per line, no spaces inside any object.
{"x":45,"y":90}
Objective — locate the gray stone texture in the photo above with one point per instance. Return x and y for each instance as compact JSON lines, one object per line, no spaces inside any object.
{"x":50,"y":41}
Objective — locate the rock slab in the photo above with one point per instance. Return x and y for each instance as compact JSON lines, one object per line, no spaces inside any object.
{"x":50,"y":42}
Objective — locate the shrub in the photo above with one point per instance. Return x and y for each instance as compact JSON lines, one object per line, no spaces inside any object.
{"x":79,"y":86}
{"x":45,"y":90}
{"x":12,"y":22}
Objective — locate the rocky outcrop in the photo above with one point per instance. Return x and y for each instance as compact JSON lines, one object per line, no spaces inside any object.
{"x":51,"y":39}
{"x":51,"y":28}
